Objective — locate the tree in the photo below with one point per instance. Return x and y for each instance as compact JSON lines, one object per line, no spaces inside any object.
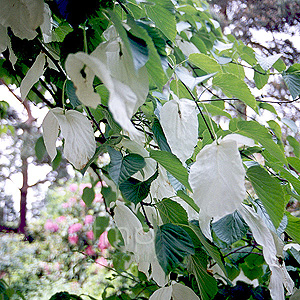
{"x":146,"y":83}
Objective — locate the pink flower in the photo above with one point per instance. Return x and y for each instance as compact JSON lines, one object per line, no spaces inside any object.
{"x":98,"y":198}
{"x":51,"y":226}
{"x":101,"y":262}
{"x":90,"y":235}
{"x":73,"y":187}
{"x":61,"y":219}
{"x":72,"y":201}
{"x":88,"y":219}
{"x":103,"y":241}
{"x":84,"y":185}
{"x":89,"y":251}
{"x":75,"y":228}
{"x":82,"y":203}
{"x":73,"y":239}
{"x":65,"y":205}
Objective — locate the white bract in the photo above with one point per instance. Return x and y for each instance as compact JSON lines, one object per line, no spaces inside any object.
{"x":77,"y":131}
{"x":267,"y":62}
{"x":4,"y":39}
{"x":280,"y":278}
{"x":218,"y":181}
{"x":112,"y":63}
{"x":22,"y":16}
{"x":179,"y":121}
{"x":176,"y":291}
{"x":139,"y":242}
{"x":33,"y":75}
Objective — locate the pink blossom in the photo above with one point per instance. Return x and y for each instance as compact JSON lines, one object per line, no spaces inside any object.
{"x":88,"y":219}
{"x":61,"y":219}
{"x":101,"y":262}
{"x":75,"y":228}
{"x":73,"y":239}
{"x":98,"y":198}
{"x":90,"y":235}
{"x":51,"y":226}
{"x":89,"y":251}
{"x":103,"y":241}
{"x":72,"y":201}
{"x":65,"y":205}
{"x":73,"y":187}
{"x":82,"y":203}
{"x":84,"y":185}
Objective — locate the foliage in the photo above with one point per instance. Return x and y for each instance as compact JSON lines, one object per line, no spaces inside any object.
{"x":147,"y":84}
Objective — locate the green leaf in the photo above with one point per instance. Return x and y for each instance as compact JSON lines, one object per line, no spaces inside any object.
{"x":197,"y":265}
{"x":295,"y":144}
{"x":121,"y":168}
{"x":40,"y":148}
{"x":261,"y":134}
{"x":71,"y":93}
{"x":231,"y":85}
{"x":268,"y":107}
{"x":163,"y":19}
{"x":88,"y":196}
{"x":279,"y":65}
{"x":136,"y":191}
{"x":188,"y":200}
{"x":159,"y":136}
{"x":260,"y":79}
{"x":100,"y":225}
{"x":65,"y":296}
{"x":173,"y":165}
{"x":172,"y":212}
{"x":205,"y":63}
{"x":293,"y":227}
{"x":108,"y":194}
{"x":269,"y":191}
{"x":294,"y":162}
{"x":231,"y":228}
{"x":154,"y":63}
{"x":252,"y":267}
{"x":216,"y":111}
{"x":293,"y":83}
{"x":211,"y":249}
{"x":172,"y":245}
{"x":56,"y":161}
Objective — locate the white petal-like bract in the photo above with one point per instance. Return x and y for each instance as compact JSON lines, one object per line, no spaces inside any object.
{"x":22,"y":16}
{"x":33,"y":75}
{"x":77,"y":131}
{"x":164,"y":293}
{"x":218,"y":180}
{"x":139,"y":242}
{"x":264,"y":237}
{"x":179,"y":121}
{"x":180,"y":291}
{"x":4,"y":39}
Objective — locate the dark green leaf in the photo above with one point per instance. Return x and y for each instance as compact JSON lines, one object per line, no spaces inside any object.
{"x":121,"y":168}
{"x":172,"y":245}
{"x":293,"y":83}
{"x":136,"y":191}
{"x":269,"y":191}
{"x":108,"y":194}
{"x":88,"y":196}
{"x":160,"y":136}
{"x":172,"y":212}
{"x":100,"y":225}
{"x":173,"y":165}
{"x":197,"y":265}
{"x":231,"y":228}
{"x":211,"y":249}
{"x":40,"y":148}
{"x":71,"y":93}
{"x":65,"y":296}
{"x":260,"y":79}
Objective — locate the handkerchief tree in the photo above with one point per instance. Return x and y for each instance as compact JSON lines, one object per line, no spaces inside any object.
{"x":197,"y":188}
